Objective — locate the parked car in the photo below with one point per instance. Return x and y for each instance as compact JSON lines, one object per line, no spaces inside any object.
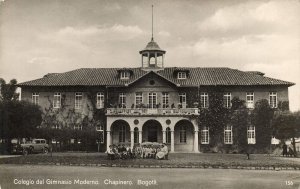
{"x":34,"y":146}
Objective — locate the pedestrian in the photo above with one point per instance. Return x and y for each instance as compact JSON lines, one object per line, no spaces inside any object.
{"x":284,"y":150}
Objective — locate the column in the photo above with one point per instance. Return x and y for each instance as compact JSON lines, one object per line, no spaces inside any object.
{"x":196,"y":142}
{"x":156,"y":59}
{"x":131,"y":139}
{"x":140,"y":137}
{"x":164,"y":136}
{"x":107,"y":139}
{"x":172,"y":141}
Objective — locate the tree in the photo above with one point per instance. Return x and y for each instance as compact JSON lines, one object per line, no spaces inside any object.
{"x":18,"y":119}
{"x":8,"y":90}
{"x":287,"y":126}
{"x":261,"y":118}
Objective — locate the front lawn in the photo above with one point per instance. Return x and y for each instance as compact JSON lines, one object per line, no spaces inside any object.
{"x":175,"y":159}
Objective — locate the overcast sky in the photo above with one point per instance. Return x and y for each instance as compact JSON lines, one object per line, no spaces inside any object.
{"x":49,"y":36}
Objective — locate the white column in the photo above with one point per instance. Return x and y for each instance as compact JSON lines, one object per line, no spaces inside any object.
{"x":108,"y":140}
{"x":131,"y":139}
{"x":196,"y":142}
{"x":172,"y":141}
{"x":155,"y":59}
{"x":140,"y":137}
{"x":164,"y":136}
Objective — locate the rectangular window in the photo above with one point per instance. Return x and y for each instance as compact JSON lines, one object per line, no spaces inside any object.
{"x":57,"y":100}
{"x":35,"y":98}
{"x":152,"y":100}
{"x":138,"y":99}
{"x":227,"y":100}
{"x":251,"y":135}
{"x":78,"y":100}
{"x":205,"y":135}
{"x":122,"y":133}
{"x":273,"y":99}
{"x":125,"y":75}
{"x":181,"y":75}
{"x":56,"y":127}
{"x":122,"y":100}
{"x":228,"y":134}
{"x":182,"y":135}
{"x":165,"y":100}
{"x":100,"y":129}
{"x":168,"y":135}
{"x":204,"y":100}
{"x":182,"y":99}
{"x":250,"y":100}
{"x":100,"y":100}
{"x":77,"y":127}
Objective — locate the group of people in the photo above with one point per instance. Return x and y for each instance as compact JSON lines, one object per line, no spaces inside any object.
{"x":138,"y":151}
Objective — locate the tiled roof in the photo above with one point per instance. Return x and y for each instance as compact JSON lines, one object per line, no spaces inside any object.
{"x":197,"y":76}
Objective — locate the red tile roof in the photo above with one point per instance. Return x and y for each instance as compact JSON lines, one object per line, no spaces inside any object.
{"x":196,"y":76}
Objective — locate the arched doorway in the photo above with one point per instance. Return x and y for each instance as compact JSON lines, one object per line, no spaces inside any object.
{"x":120,"y":132}
{"x":184,"y":136}
{"x":152,"y":131}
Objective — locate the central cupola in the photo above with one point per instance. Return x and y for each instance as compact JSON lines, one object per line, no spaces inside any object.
{"x":152,"y":54}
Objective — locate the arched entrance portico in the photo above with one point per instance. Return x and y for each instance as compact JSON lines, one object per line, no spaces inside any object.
{"x":120,"y":132}
{"x":185,"y":137}
{"x":152,"y":131}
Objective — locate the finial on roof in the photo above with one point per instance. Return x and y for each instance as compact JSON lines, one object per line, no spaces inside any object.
{"x":152,"y":25}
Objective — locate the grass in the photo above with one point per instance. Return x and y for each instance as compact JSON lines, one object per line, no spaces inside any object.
{"x":175,"y":159}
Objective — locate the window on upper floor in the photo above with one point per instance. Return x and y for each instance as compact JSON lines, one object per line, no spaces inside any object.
{"x":124,"y":75}
{"x":78,"y":100}
{"x":138,"y":99}
{"x":181,"y":75}
{"x":182,"y":99}
{"x":228,"y":134}
{"x":100,"y":100}
{"x":273,"y":99}
{"x":57,"y":100}
{"x":251,"y":134}
{"x":205,"y":135}
{"x":152,"y":100}
{"x":165,"y":100}
{"x":35,"y":98}
{"x":204,"y":100}
{"x":122,"y":100}
{"x":250,"y":100}
{"x":227,"y":100}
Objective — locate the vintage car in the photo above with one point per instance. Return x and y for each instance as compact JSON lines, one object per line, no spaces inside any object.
{"x":33,"y":146}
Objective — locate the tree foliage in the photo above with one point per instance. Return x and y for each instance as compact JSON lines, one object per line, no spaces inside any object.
{"x":8,"y":90}
{"x":287,"y":125}
{"x":262,"y":116}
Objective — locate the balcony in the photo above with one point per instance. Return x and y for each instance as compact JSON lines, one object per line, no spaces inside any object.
{"x":148,"y":111}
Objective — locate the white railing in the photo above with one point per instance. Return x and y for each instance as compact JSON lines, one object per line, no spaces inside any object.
{"x":155,"y":111}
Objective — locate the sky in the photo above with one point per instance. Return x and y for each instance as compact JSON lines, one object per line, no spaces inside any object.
{"x":52,"y":36}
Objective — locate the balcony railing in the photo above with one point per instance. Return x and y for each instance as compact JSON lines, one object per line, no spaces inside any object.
{"x":155,"y":111}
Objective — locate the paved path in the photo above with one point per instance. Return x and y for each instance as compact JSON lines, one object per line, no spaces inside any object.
{"x":17,"y":176}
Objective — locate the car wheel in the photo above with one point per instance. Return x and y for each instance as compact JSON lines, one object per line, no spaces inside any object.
{"x":46,"y":150}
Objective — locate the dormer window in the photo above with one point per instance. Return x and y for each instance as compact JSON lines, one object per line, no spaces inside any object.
{"x":124,"y":75}
{"x":181,"y":75}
